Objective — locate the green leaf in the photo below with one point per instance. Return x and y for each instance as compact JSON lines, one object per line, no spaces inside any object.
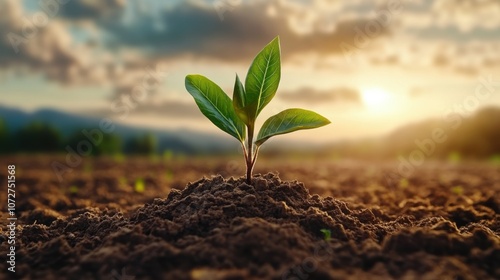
{"x":327,"y":234}
{"x":262,"y":79}
{"x":215,"y":105}
{"x":239,"y":100}
{"x":288,"y":121}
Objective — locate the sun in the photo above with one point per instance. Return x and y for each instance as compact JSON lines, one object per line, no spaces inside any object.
{"x":376,"y":98}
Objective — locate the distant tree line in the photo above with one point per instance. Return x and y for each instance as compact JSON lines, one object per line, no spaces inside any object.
{"x":475,"y":136}
{"x":38,"y":137}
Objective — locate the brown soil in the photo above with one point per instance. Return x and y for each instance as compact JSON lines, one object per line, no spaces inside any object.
{"x":216,"y":228}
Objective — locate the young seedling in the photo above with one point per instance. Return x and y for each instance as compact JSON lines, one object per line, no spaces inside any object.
{"x":458,"y":190}
{"x":232,"y":116}
{"x":73,"y":189}
{"x":327,"y":234}
{"x":139,"y":186}
{"x":169,"y":175}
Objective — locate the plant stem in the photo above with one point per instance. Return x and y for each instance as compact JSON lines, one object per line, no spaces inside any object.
{"x":249,"y":157}
{"x":255,"y":153}
{"x":244,"y":149}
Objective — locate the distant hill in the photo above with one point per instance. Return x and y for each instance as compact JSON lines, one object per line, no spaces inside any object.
{"x":475,"y":136}
{"x":182,"y":141}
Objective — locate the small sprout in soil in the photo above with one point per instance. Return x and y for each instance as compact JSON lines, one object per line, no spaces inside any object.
{"x":403,"y":183}
{"x":454,"y":157}
{"x":168,"y":155}
{"x":73,"y":189}
{"x":169,"y":175}
{"x":458,"y":190}
{"x":139,"y":186}
{"x":495,"y":160}
{"x":154,"y":158}
{"x":87,"y":167}
{"x":119,"y":158}
{"x":327,"y":234}
{"x":259,"y":88}
{"x":122,"y":181}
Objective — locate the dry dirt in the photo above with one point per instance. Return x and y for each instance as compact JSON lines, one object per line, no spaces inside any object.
{"x":442,"y":222}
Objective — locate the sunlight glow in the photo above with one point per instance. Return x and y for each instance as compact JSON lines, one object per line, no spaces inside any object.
{"x":376,"y":99}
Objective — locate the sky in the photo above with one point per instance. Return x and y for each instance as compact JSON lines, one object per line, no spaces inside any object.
{"x":368,"y":66}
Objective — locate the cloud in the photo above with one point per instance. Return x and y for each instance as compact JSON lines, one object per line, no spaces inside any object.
{"x":441,"y":60}
{"x":315,"y":96}
{"x":195,"y":29}
{"x":452,"y":19}
{"x":467,"y":14}
{"x":391,"y":59}
{"x":176,"y":109}
{"x":417,"y":92}
{"x":470,"y":58}
{"x":91,"y":9}
{"x":171,"y":108}
{"x":450,"y":35}
{"x":44,"y":45}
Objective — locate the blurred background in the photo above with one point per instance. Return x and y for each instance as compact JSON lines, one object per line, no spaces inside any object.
{"x":398,"y":79}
